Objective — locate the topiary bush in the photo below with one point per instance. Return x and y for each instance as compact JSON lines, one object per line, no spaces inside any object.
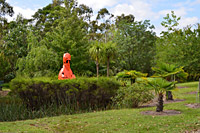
{"x":132,"y":96}
{"x":81,"y":93}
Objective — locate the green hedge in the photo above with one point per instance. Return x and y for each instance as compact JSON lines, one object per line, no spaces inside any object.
{"x":81,"y":93}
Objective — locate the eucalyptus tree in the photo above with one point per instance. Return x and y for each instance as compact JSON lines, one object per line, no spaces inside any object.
{"x":100,"y":26}
{"x":5,"y":8}
{"x":85,"y":12}
{"x":127,"y":18}
{"x":47,"y":18}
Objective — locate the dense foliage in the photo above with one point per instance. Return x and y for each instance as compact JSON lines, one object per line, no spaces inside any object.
{"x":34,"y":47}
{"x":180,"y":46}
{"x":132,"y":96}
{"x":136,"y":45}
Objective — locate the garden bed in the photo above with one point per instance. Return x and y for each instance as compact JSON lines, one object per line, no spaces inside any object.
{"x":152,"y":104}
{"x":165,"y":112}
{"x":4,"y":93}
{"x":193,"y":105}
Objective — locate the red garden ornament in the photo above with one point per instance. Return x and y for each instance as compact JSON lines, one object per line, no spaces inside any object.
{"x":66,"y":72}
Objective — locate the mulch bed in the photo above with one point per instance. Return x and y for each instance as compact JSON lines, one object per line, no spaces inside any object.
{"x":193,"y":92}
{"x":4,"y":93}
{"x":165,"y":102}
{"x":165,"y":112}
{"x":193,"y":105}
{"x":182,"y":87}
{"x":195,"y":131}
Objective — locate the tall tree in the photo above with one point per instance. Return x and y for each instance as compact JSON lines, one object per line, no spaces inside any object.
{"x":136,"y":44}
{"x":15,"y":42}
{"x":5,"y":8}
{"x":109,"y":51}
{"x":70,"y":36}
{"x":178,"y":46}
{"x":127,"y":18}
{"x":47,"y":18}
{"x":95,"y":52}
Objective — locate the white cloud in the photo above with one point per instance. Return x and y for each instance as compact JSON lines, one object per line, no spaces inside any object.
{"x":181,"y":12}
{"x":96,"y":5}
{"x":185,"y":21}
{"x":195,"y":2}
{"x":159,"y":29}
{"x":178,"y":12}
{"x":182,"y":3}
{"x":140,"y":9}
{"x":26,"y":13}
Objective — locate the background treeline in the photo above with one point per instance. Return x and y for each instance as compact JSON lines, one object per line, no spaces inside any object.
{"x":100,"y":44}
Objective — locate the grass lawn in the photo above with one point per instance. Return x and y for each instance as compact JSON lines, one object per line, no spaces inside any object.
{"x":122,"y":120}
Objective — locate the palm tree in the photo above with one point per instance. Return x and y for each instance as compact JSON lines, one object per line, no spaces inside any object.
{"x":169,"y":72}
{"x":94,"y":52}
{"x":160,"y":86}
{"x":109,"y":52}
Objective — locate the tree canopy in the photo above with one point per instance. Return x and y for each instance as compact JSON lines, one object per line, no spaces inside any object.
{"x":99,"y":44}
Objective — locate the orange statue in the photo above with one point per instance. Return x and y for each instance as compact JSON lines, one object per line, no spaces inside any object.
{"x":66,"y":72}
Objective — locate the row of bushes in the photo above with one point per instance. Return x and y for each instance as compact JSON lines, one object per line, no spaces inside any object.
{"x":44,"y":97}
{"x":81,"y":93}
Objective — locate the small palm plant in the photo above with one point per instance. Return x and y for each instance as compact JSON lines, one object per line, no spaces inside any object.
{"x":169,"y":72}
{"x":160,"y":86}
{"x":130,"y":75}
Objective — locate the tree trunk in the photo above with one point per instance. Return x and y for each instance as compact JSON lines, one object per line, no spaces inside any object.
{"x":108,"y":63}
{"x":132,"y":81}
{"x":159,"y":105}
{"x":97,"y":65}
{"x":169,"y":95}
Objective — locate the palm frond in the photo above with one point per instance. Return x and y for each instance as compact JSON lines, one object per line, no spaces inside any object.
{"x":160,"y":84}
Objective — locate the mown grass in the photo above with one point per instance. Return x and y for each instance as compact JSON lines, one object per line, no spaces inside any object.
{"x":122,"y":120}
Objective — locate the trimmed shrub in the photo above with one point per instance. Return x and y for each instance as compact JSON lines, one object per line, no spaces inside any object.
{"x":132,"y":96}
{"x":81,"y":93}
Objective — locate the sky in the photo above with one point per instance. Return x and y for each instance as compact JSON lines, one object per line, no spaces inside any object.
{"x":153,"y":10}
